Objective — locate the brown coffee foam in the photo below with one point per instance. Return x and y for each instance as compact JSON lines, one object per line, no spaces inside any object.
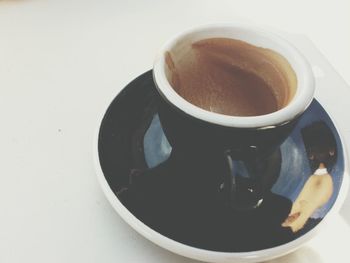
{"x":231,"y":77}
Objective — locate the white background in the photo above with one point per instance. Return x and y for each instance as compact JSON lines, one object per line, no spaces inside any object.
{"x":60,"y":64}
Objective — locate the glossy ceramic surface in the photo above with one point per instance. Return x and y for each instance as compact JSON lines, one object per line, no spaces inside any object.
{"x":182,"y":195}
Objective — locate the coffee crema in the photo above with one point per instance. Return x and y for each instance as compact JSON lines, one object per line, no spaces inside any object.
{"x":231,"y":77}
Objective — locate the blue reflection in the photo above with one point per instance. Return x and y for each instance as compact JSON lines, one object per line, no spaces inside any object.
{"x":295,"y":168}
{"x":156,"y":146}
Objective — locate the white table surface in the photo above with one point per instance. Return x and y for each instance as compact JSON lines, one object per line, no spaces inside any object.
{"x":62,"y":61}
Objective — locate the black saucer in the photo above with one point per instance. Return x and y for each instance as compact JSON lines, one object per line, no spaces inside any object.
{"x":172,"y":193}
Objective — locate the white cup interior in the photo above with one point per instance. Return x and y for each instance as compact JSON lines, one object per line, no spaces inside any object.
{"x":181,"y":43}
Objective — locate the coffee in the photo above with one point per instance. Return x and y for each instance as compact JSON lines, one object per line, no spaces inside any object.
{"x":231,"y":77}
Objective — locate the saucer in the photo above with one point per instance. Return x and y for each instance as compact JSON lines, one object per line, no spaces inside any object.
{"x":172,"y":202}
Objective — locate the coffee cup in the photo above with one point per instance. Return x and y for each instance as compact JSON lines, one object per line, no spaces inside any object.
{"x":234,"y":91}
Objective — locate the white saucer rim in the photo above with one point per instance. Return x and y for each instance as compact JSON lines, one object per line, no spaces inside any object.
{"x":208,"y":255}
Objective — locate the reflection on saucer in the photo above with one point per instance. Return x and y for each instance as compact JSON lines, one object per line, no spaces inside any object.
{"x":182,"y":195}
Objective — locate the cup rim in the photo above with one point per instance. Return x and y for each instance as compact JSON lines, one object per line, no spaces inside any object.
{"x":302,"y":99}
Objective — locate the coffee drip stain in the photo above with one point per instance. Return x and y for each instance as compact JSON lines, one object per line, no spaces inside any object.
{"x":231,"y":77}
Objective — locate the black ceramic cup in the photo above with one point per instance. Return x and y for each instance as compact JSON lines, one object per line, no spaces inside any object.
{"x":254,"y":140}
